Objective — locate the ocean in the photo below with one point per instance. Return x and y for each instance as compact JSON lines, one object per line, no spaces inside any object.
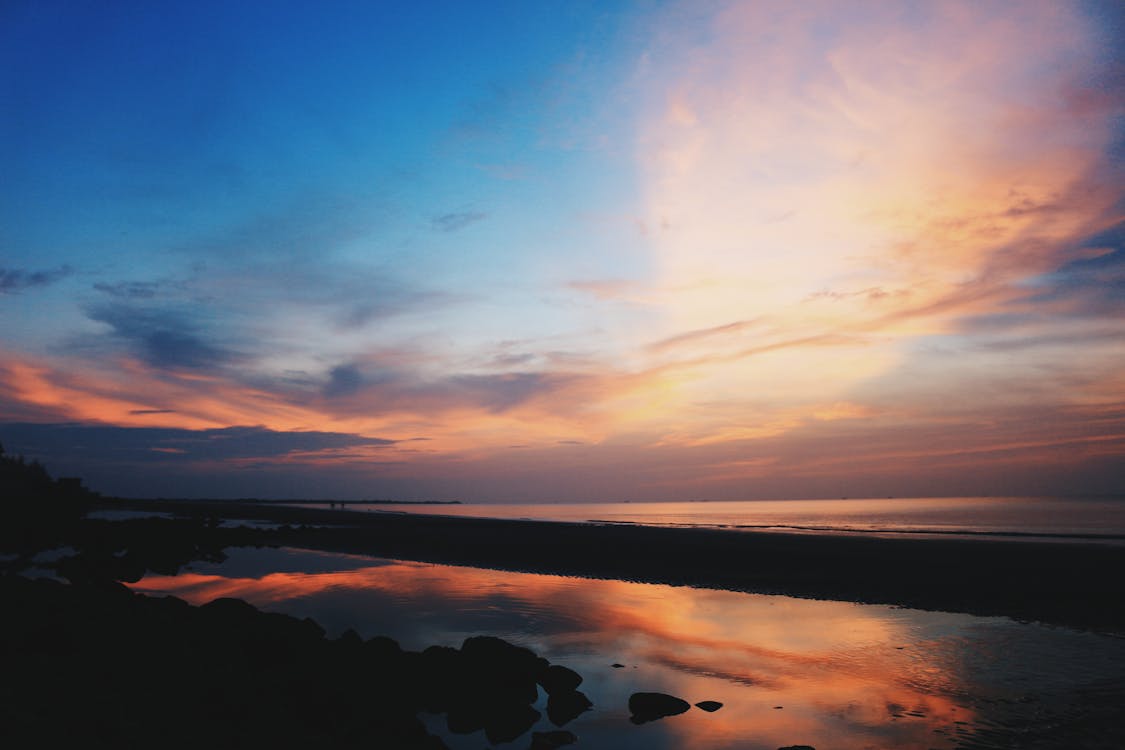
{"x":1072,"y":519}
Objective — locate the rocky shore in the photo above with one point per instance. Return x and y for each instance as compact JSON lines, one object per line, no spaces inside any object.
{"x":96,"y":665}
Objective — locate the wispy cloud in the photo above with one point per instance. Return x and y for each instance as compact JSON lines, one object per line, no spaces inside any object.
{"x":136,"y":290}
{"x":164,"y":338}
{"x":14,"y":280}
{"x":123,"y":444}
{"x":374,"y":389}
{"x":453,"y":222}
{"x":691,"y":337}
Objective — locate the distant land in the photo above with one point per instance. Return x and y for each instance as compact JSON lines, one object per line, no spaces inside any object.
{"x":266,"y":501}
{"x":358,"y":502}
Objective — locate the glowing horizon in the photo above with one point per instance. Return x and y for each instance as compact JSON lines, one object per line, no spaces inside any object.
{"x":666,"y":251}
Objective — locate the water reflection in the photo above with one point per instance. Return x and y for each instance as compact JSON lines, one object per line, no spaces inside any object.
{"x":788,"y":671}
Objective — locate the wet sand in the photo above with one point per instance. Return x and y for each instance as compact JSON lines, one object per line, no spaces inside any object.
{"x":1077,"y":585}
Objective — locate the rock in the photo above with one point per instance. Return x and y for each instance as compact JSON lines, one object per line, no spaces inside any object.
{"x":464,"y":720}
{"x":502,"y":670}
{"x":552,"y":740}
{"x":566,"y":707}
{"x":647,"y":707}
{"x":615,"y":665}
{"x":709,"y":706}
{"x":437,"y":675}
{"x":497,"y":653}
{"x":312,"y":629}
{"x":509,"y":723}
{"x":230,"y":610}
{"x":797,"y":747}
{"x":350,"y":639}
{"x":442,"y":662}
{"x":558,"y":679}
{"x":383,"y":649}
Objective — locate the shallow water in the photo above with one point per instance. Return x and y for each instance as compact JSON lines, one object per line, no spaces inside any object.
{"x":1073,"y":519}
{"x":788,"y":671}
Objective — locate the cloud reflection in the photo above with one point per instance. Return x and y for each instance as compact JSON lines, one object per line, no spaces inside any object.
{"x":837,"y":668}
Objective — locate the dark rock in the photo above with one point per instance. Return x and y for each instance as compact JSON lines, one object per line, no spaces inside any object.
{"x":464,"y":719}
{"x":312,"y":627}
{"x":350,"y":639}
{"x":383,"y":650}
{"x":647,"y":707}
{"x":617,"y":666}
{"x":442,"y":661}
{"x":226,"y":608}
{"x":558,"y":679}
{"x":709,"y":706}
{"x":797,"y":747}
{"x":566,"y":707}
{"x":552,"y":740}
{"x":507,"y":725}
{"x":437,"y":676}
{"x":500,"y":670}
{"x":494,"y":653}
{"x":226,"y":664}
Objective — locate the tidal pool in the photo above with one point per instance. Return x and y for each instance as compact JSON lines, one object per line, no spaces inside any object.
{"x":833,"y":675}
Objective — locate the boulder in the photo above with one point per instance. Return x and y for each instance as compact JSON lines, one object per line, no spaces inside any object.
{"x":558,"y":679}
{"x":647,"y":707}
{"x":551,"y":740}
{"x":566,"y":707}
{"x":508,"y":724}
{"x":495,"y":653}
{"x":501,"y":670}
{"x":709,"y":706}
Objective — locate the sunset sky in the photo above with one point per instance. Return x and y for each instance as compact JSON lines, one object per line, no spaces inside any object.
{"x":562,"y":250}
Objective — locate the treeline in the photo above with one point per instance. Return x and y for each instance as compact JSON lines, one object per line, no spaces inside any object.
{"x":34,"y":501}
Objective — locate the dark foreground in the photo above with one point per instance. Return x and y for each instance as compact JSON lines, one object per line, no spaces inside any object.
{"x":1062,"y":584}
{"x":89,"y":662}
{"x":98,"y":666}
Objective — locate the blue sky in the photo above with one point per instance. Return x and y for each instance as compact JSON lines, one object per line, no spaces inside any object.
{"x":523,"y":251}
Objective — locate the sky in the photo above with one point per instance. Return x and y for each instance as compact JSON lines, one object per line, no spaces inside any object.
{"x":564,"y":251}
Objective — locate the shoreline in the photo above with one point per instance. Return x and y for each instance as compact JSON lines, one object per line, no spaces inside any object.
{"x":1052,"y":582}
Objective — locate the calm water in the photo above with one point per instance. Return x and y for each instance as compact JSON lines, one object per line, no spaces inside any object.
{"x":1068,"y":519}
{"x":831,"y":675}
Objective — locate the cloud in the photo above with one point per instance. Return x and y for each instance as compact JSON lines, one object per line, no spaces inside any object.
{"x":608,"y":289}
{"x":373,"y":388}
{"x":15,"y":280}
{"x":499,"y":393}
{"x":930,"y":170}
{"x":136,"y":290}
{"x":166,"y":339}
{"x":1090,"y":287}
{"x":453,"y":222}
{"x":349,"y":379}
{"x":692,"y":337}
{"x":109,"y":444}
{"x":310,"y":225}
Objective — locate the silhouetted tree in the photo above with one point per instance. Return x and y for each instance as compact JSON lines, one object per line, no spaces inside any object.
{"x":36,"y":507}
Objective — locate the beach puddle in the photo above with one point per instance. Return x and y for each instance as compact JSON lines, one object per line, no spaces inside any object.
{"x":787,"y":671}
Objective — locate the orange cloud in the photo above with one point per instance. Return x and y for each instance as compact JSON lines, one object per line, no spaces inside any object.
{"x":866,"y":187}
